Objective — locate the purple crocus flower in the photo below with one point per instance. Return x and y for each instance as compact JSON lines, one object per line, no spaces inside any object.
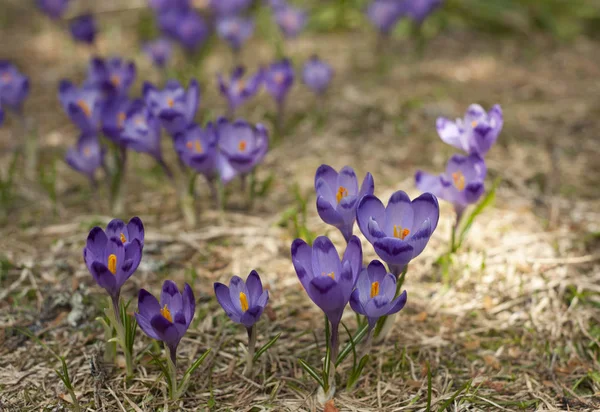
{"x":279,"y":78}
{"x":291,"y":20}
{"x":53,"y":8}
{"x":476,"y":133}
{"x":235,"y":30}
{"x":113,"y":76}
{"x":229,"y":7}
{"x":238,"y":90}
{"x":169,"y":319}
{"x":243,"y":302}
{"x":169,"y":19}
{"x":114,"y":114}
{"x":86,"y":157}
{"x":160,"y":5}
{"x":384,"y":14}
{"x":338,"y":196}
{"x":328,"y":280}
{"x":197,"y":148}
{"x":375,"y":293}
{"x":110,"y":261}
{"x":317,"y":74}
{"x":1,"y":114}
{"x":418,"y":10}
{"x":174,"y":106}
{"x":462,"y":184}
{"x":400,"y":231}
{"x":244,"y":146}
{"x":127,"y":233}
{"x":159,"y":51}
{"x":83,"y":28}
{"x":14,"y":86}
{"x":191,"y":30}
{"x":82,"y":104}
{"x":141,"y":131}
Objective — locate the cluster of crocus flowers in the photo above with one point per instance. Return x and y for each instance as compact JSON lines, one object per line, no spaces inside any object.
{"x":179,"y":21}
{"x":244,"y":303}
{"x":462,"y":184}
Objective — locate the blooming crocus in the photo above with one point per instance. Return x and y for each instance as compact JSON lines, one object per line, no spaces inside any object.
{"x":110,"y":261}
{"x":159,"y":51}
{"x":400,"y":231}
{"x":462,"y":184}
{"x":83,"y":28}
{"x":338,"y":196}
{"x":243,"y":302}
{"x":86,"y":157}
{"x":317,"y":74}
{"x":328,"y":280}
{"x":114,"y":114}
{"x":235,"y":30}
{"x":418,"y":10}
{"x":239,"y":90}
{"x":375,"y":294}
{"x":14,"y":86}
{"x":169,"y":319}
{"x":384,"y":14}
{"x":197,"y":148}
{"x":83,"y":105}
{"x":279,"y":78}
{"x":114,"y":76}
{"x":191,"y":30}
{"x":229,"y":7}
{"x":291,"y":20}
{"x":141,"y":130}
{"x":174,"y":106}
{"x":127,"y":233}
{"x":242,"y":144}
{"x":476,"y":133}
{"x":53,"y":8}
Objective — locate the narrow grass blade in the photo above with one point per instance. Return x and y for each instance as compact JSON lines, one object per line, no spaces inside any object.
{"x":446,"y":404}
{"x":360,"y":334}
{"x":353,"y":346}
{"x":196,"y":364}
{"x":428,"y":408}
{"x":312,"y":372}
{"x":481,"y":206}
{"x":266,"y":347}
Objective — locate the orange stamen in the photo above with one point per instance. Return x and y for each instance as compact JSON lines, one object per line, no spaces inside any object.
{"x":374,"y":289}
{"x":112,"y":263}
{"x":341,"y":193}
{"x":166,"y":313}
{"x":459,"y":180}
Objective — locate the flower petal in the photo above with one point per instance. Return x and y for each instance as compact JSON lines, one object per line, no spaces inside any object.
{"x":224,"y":299}
{"x":255,"y":287}
{"x":393,"y":251}
{"x":369,"y":208}
{"x":325,"y":258}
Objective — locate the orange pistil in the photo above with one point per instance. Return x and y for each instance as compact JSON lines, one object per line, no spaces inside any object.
{"x":459,"y":180}
{"x":115,"y":80}
{"x":341,"y":193}
{"x":84,"y":107}
{"x":170,"y":102}
{"x":166,"y":313}
{"x":243,"y":301}
{"x":474,"y":124}
{"x":242,"y":146}
{"x":87,"y":152}
{"x":112,"y":263}
{"x":194,"y":146}
{"x":279,"y":78}
{"x":123,"y":238}
{"x":374,"y":289}
{"x":331,"y":275}
{"x":121,"y":119}
{"x":400,"y":233}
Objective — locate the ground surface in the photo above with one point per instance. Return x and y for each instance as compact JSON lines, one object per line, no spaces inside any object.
{"x":518,"y":318}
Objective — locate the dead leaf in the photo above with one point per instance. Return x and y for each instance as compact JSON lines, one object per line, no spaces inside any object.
{"x":472,"y":345}
{"x":330,"y":406}
{"x":421,"y":317}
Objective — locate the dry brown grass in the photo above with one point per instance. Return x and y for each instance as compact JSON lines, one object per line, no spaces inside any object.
{"x":519,"y":319}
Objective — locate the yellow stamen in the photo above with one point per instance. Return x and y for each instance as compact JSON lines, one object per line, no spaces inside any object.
{"x":400,"y":233}
{"x":240,"y":86}
{"x":341,"y":193}
{"x":115,"y":80}
{"x":170,"y":102}
{"x":459,"y":180}
{"x":6,"y":77}
{"x":242,"y":146}
{"x":243,"y":301}
{"x":85,"y":107}
{"x":474,"y":124}
{"x":121,"y":119}
{"x":374,"y":289}
{"x":112,"y":263}
{"x":123,"y":238}
{"x":331,"y":275}
{"x":87,"y":152}
{"x":279,"y":78}
{"x":166,"y":313}
{"x":195,"y":146}
{"x":139,"y":121}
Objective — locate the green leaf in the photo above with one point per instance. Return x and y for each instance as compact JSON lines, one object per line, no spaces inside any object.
{"x":266,"y":347}
{"x":312,"y":372}
{"x":156,"y":360}
{"x":360,"y":334}
{"x":428,"y":408}
{"x":481,"y":206}
{"x":355,"y":375}
{"x":327,"y":360}
{"x":196,"y":364}
{"x":451,"y":399}
{"x":353,"y":347}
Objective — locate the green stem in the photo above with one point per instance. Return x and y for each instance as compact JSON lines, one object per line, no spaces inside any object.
{"x":114,"y":315}
{"x":251,"y":349}
{"x":384,"y":324}
{"x":171,"y":356}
